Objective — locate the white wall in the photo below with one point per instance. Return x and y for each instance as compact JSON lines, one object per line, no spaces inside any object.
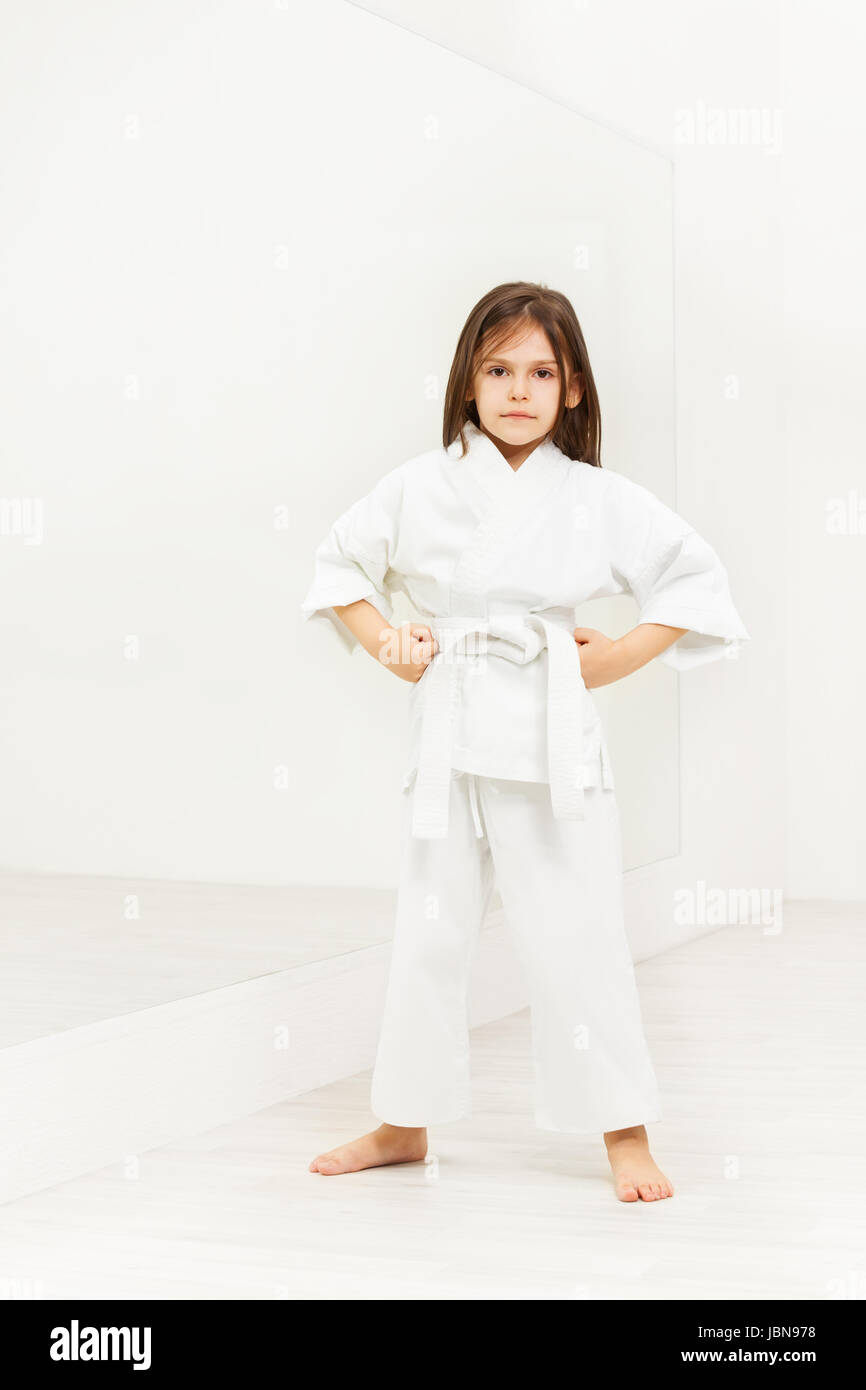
{"x":825,"y":369}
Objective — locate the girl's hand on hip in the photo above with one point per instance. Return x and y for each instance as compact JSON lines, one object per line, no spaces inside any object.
{"x":408,"y":650}
{"x":598,"y":657}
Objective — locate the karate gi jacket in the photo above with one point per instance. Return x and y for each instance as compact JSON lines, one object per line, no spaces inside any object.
{"x":495,"y":560}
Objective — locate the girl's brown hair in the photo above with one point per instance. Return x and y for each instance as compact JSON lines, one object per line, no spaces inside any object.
{"x":577,"y":430}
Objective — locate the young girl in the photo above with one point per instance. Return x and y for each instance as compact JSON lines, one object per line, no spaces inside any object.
{"x":495,"y":538}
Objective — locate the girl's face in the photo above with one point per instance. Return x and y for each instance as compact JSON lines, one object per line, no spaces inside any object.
{"x":516,"y":390}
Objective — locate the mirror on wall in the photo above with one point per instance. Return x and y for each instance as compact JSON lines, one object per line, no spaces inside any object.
{"x":249,"y":318}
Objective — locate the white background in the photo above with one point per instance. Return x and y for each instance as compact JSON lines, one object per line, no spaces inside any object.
{"x":771,"y":747}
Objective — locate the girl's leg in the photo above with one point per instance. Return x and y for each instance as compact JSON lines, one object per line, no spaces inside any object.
{"x":561,"y":886}
{"x":421,"y":1074}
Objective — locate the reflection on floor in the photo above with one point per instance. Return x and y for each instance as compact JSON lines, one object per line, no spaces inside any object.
{"x":78,"y":950}
{"x":760,"y":1051}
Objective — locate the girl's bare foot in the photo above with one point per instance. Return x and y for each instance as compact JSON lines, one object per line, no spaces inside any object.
{"x":636,"y":1174}
{"x":387,"y":1144}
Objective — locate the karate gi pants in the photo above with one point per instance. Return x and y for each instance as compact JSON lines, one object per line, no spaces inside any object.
{"x":561,"y":888}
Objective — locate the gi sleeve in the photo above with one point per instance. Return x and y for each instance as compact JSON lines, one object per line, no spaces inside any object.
{"x":353,"y":560}
{"x":674,"y":575}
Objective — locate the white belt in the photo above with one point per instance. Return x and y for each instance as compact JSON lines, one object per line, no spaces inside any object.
{"x":519,"y":637}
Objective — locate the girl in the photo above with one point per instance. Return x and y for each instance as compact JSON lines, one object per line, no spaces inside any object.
{"x":495,"y":538}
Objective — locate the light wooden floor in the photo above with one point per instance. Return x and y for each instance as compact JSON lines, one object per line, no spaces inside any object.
{"x":761,"y":1054}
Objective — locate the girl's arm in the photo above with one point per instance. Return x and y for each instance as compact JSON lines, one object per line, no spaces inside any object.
{"x":407,"y":650}
{"x":606,"y":659}
{"x":352,"y":564}
{"x":676,"y":578}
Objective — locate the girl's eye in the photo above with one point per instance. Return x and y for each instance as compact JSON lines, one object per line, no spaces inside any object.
{"x":546,"y":370}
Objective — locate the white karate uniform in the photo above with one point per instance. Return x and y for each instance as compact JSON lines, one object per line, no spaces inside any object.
{"x":508,"y":766}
